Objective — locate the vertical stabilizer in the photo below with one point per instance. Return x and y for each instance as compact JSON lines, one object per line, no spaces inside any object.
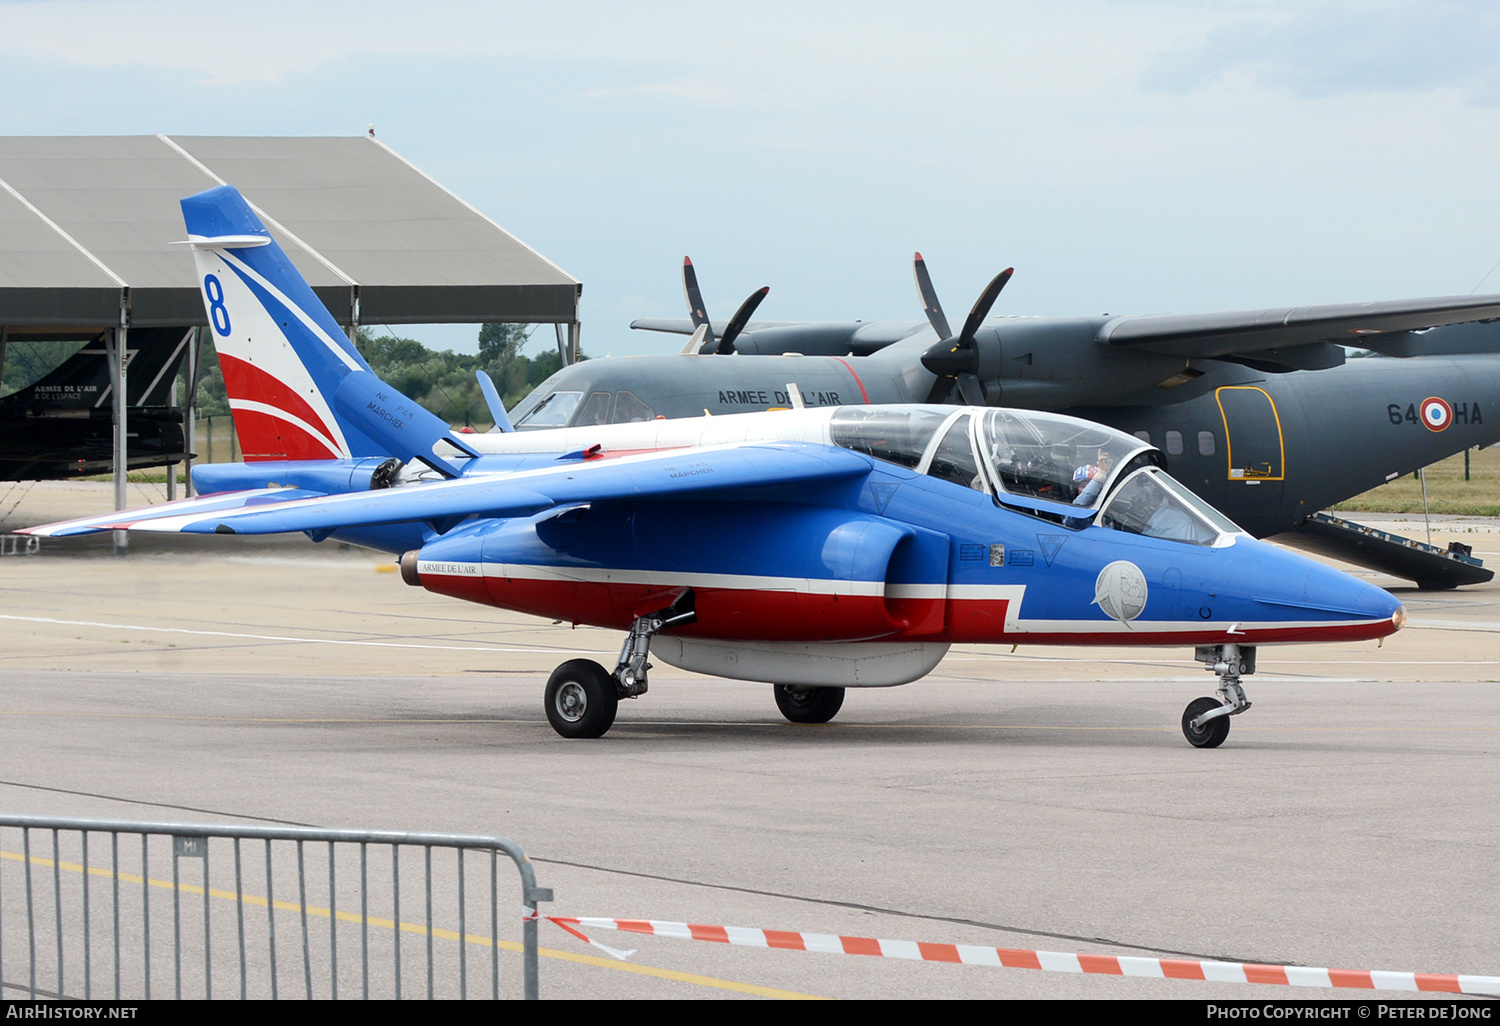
{"x":298,"y":387}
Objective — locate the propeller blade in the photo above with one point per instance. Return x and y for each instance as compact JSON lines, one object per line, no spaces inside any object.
{"x":696,"y":310}
{"x":982,"y":305}
{"x":740,"y":319}
{"x":971,"y":390}
{"x":930,"y":304}
{"x":942,"y":391}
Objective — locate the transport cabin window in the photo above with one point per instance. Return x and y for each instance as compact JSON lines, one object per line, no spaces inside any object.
{"x":1174,"y":443}
{"x":1205,"y":443}
{"x":595,"y":410}
{"x":629,"y":409}
{"x":954,"y":460}
{"x":1144,"y":436}
{"x":553,"y":411}
{"x":898,"y":436}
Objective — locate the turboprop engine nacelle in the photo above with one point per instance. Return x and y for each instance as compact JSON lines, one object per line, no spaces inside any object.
{"x":831,"y":575}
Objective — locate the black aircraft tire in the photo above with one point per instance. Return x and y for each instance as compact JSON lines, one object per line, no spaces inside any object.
{"x":1212,"y":733}
{"x":809,"y":705}
{"x":581,"y":699}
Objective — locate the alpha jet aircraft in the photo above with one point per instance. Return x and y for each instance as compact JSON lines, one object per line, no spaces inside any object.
{"x":813,"y":549}
{"x":62,"y":424}
{"x":1258,"y":412}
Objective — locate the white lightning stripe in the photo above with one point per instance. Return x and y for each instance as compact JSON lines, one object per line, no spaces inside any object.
{"x":301,"y":314}
{"x":744,"y":582}
{"x":145,"y":394}
{"x":165,"y":509}
{"x":1011,"y":593}
{"x":253,"y":406}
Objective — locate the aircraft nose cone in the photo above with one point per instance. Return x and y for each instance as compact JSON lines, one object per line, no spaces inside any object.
{"x":1330,"y":603}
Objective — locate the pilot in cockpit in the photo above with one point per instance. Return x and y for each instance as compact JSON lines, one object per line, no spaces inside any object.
{"x":1091,"y":478}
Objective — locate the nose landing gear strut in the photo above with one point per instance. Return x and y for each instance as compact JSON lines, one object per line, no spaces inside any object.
{"x":1205,"y":722}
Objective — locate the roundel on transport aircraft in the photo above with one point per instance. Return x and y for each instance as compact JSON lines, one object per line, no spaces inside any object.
{"x":1436,"y":413}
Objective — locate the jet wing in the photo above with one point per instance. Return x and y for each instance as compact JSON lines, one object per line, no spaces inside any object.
{"x":137,"y":519}
{"x":1207,"y":336}
{"x":726,"y":473}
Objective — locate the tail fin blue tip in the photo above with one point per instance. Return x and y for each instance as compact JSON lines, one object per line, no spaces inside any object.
{"x":220,"y":211}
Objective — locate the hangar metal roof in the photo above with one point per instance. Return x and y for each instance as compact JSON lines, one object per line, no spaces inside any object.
{"x":87,"y":222}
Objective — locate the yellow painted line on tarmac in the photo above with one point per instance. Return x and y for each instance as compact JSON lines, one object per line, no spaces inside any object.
{"x":297,"y":640}
{"x":421,"y":930}
{"x":257,"y":719}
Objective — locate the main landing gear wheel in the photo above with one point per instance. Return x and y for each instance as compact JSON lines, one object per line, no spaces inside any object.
{"x":1212,"y":733}
{"x":581,"y":699}
{"x":808,"y":705}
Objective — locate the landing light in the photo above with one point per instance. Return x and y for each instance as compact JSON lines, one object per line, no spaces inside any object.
{"x":1398,"y":618}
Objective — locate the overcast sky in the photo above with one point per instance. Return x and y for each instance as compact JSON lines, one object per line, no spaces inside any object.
{"x":1149,"y":156}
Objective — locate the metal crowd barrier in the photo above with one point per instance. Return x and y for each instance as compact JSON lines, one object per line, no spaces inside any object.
{"x":77,"y":911}
{"x":19,"y":545}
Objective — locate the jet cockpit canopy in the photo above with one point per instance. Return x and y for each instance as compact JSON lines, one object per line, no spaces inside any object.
{"x":1069,"y":471}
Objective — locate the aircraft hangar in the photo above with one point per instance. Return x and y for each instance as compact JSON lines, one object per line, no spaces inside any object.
{"x":87,"y":225}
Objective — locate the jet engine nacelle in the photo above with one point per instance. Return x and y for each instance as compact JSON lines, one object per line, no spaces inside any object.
{"x":782,"y":573}
{"x":328,"y":476}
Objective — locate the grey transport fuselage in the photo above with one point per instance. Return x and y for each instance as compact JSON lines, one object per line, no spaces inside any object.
{"x":1267,"y":448}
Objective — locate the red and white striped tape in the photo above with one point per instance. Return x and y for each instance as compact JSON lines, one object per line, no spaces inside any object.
{"x":1047,"y":961}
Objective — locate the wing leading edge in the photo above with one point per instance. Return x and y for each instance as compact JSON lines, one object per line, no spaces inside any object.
{"x":1211,"y":335}
{"x":719,"y":473}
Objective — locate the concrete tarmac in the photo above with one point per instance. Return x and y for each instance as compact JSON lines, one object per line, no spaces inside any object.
{"x":1038,"y":799}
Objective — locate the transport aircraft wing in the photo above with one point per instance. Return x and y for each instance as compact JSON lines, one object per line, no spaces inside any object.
{"x":1212,"y":335}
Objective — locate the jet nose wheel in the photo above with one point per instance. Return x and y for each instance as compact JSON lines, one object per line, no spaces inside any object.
{"x":1210,"y":734}
{"x":808,"y":705}
{"x":581,"y":699}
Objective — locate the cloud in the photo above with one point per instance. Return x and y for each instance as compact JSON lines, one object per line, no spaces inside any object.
{"x":1342,"y":49}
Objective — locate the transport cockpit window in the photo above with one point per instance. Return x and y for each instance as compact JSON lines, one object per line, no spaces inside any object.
{"x":553,"y":411}
{"x":630,"y":410}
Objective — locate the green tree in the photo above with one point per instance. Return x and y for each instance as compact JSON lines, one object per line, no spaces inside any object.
{"x":500,"y":348}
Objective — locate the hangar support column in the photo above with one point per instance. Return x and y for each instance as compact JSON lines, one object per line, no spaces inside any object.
{"x":119,"y":339}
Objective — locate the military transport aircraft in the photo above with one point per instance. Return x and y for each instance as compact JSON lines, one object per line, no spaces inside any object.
{"x":812,"y":549}
{"x":1259,"y":412}
{"x":62,"y":424}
